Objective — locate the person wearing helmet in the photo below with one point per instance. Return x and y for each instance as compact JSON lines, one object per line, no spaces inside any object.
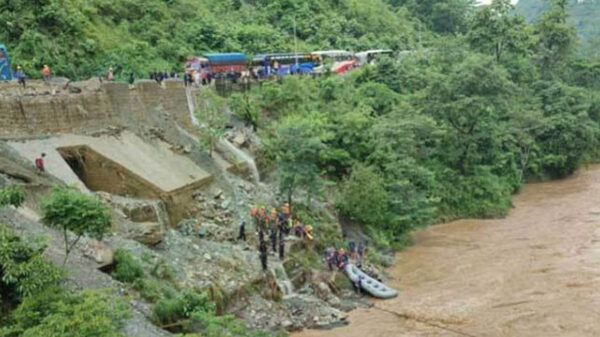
{"x":342,"y":258}
{"x":284,"y":219}
{"x":20,"y":76}
{"x":308,"y":232}
{"x":260,"y":223}
{"x":255,"y":218}
{"x":46,"y":73}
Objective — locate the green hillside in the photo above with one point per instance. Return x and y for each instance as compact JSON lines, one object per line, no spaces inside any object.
{"x":585,"y":16}
{"x":81,"y":37}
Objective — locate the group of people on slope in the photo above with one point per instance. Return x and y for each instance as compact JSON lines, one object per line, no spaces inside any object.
{"x":340,"y":258}
{"x":276,"y":227}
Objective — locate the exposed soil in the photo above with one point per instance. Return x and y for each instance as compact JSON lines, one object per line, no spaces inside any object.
{"x":534,"y":273}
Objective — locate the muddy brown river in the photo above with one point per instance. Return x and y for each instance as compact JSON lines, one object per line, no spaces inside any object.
{"x":534,"y":273}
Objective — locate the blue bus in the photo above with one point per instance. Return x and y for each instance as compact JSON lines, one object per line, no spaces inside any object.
{"x":5,"y":69}
{"x":284,"y":64}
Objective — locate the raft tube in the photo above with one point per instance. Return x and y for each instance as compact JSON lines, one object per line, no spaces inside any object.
{"x":369,"y":284}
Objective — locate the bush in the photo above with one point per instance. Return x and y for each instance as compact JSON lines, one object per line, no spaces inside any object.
{"x":128,"y":268}
{"x":55,"y":313}
{"x":13,"y":195}
{"x":23,"y":270}
{"x":154,"y":290}
{"x":169,"y":311}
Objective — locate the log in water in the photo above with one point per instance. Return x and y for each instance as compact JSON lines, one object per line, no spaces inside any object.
{"x":534,"y":273}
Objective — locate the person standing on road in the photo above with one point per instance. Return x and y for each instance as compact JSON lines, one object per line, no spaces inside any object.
{"x":46,"y":73}
{"x":110,"y":75}
{"x":131,"y":80}
{"x":20,"y":76}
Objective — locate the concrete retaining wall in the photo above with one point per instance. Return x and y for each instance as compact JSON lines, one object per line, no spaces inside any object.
{"x":112,"y":104}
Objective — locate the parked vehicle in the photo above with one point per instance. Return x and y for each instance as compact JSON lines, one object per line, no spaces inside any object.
{"x":5,"y":68}
{"x":369,"y":56}
{"x":283,"y":64}
{"x":227,"y":64}
{"x":338,"y":61}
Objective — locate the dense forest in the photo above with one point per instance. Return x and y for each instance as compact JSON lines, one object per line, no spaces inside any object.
{"x":78,"y":38}
{"x":450,"y":131}
{"x":485,"y":102}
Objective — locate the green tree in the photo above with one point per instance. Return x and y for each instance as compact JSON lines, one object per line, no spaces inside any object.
{"x":557,"y":38}
{"x":496,"y":30}
{"x":297,"y":146}
{"x":245,"y":108}
{"x":363,"y":196}
{"x":211,"y":114}
{"x":471,"y":103}
{"x":71,"y":211}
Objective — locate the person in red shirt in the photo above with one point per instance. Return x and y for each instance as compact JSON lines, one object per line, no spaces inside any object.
{"x":39,"y":163}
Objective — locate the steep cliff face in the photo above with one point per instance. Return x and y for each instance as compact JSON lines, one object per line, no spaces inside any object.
{"x":39,"y":113}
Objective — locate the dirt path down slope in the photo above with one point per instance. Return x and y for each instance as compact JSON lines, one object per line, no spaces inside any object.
{"x":535,"y":273}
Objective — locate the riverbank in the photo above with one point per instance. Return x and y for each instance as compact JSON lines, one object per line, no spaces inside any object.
{"x":534,"y":273}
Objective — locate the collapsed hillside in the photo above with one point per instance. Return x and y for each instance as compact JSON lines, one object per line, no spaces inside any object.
{"x":174,"y":208}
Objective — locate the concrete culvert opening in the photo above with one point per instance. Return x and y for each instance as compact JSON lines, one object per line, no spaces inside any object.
{"x":99,"y":173}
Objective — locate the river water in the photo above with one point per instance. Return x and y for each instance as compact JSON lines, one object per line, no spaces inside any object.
{"x":534,"y":273}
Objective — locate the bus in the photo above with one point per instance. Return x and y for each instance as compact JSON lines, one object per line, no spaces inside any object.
{"x":281,"y":64}
{"x":5,"y":69}
{"x":339,"y":61}
{"x":217,"y":65}
{"x":369,"y":56}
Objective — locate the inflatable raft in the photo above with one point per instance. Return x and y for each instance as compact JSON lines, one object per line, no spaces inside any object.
{"x":369,"y":284}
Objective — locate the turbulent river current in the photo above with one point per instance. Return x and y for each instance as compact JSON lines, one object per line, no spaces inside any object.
{"x":534,"y":273}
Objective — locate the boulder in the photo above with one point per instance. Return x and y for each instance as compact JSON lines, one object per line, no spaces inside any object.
{"x":140,"y":212}
{"x":148,"y":233}
{"x":98,"y":251}
{"x":239,"y":139}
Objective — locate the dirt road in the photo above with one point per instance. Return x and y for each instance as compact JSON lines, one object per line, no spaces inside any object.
{"x":535,"y":273}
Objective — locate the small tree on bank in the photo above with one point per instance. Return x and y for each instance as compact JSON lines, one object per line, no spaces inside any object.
{"x":13,"y":195}
{"x":71,"y":211}
{"x":211,"y":114}
{"x":297,"y":148}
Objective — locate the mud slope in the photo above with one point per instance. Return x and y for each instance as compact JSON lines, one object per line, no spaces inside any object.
{"x":535,"y":273}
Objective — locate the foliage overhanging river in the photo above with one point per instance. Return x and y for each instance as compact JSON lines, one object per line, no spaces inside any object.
{"x":534,"y":273}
